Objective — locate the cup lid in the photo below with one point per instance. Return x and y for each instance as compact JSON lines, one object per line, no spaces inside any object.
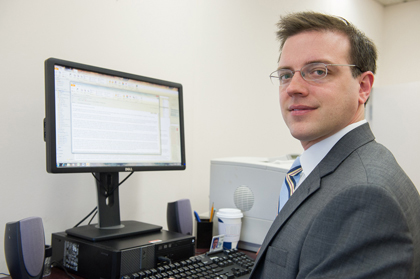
{"x":229,"y":213}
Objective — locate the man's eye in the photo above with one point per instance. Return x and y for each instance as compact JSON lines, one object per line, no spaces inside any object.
{"x":317,"y":72}
{"x":285,"y":76}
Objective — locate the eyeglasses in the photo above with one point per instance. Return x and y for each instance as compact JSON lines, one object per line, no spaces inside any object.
{"x":309,"y":72}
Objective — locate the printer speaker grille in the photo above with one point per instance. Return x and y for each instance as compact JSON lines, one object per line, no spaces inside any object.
{"x":243,"y":198}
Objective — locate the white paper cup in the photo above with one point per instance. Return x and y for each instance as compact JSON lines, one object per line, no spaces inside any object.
{"x":230,"y":221}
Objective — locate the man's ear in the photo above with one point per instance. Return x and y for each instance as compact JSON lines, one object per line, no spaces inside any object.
{"x":365,"y":82}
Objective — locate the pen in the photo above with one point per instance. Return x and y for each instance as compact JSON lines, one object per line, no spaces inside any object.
{"x":196,"y":216}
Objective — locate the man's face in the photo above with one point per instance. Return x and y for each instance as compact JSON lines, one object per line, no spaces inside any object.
{"x":216,"y":240}
{"x":315,"y":110}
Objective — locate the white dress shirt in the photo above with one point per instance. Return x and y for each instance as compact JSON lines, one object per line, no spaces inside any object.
{"x":312,"y":156}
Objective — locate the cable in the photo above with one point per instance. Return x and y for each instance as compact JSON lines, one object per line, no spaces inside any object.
{"x":60,"y":265}
{"x":108,"y":195}
{"x":86,"y":217}
{"x":164,"y":259}
{"x":93,"y":174}
{"x":120,"y":184}
{"x":91,"y":219}
{"x":4,"y":274}
{"x":112,"y":191}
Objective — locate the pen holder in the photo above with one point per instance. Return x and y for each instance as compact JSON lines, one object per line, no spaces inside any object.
{"x":204,"y":234}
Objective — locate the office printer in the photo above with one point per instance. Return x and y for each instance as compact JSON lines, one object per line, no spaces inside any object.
{"x":251,"y":184}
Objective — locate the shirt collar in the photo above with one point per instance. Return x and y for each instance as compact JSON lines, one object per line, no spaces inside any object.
{"x":311,"y":157}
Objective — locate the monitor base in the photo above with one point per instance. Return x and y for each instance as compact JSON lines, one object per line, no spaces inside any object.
{"x":127,"y":228}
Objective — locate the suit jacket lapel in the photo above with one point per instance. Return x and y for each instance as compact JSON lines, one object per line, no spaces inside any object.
{"x":309,"y":186}
{"x":341,"y":150}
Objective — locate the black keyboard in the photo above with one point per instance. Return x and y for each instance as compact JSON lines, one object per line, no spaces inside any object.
{"x":227,"y":264}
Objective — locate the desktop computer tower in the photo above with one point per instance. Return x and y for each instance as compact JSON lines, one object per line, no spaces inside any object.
{"x":119,"y":257}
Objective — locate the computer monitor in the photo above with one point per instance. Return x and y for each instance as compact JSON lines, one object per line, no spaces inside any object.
{"x":104,"y":121}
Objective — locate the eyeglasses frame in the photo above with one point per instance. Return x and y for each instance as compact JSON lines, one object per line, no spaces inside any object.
{"x":300,"y":71}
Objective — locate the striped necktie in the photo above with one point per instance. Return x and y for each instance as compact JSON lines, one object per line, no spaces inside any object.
{"x":289,"y":183}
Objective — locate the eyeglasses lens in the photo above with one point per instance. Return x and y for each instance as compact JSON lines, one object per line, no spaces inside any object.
{"x":314,"y":71}
{"x":310,"y":72}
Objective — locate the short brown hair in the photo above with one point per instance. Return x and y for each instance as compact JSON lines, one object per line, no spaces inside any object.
{"x":363,"y":52}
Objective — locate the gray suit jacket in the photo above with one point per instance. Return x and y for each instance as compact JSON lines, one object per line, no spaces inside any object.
{"x":357,"y":215}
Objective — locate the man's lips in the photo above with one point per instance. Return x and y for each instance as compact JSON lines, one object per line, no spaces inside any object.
{"x":300,"y":109}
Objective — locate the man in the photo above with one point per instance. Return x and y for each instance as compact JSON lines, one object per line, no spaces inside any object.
{"x":354,"y":212}
{"x":215,"y":243}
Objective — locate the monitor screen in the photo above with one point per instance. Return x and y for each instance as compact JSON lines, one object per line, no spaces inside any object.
{"x":103,"y":120}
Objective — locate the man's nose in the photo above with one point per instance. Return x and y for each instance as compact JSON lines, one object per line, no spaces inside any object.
{"x":297,"y":85}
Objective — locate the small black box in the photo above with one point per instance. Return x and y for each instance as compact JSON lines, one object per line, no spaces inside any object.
{"x":119,"y":257}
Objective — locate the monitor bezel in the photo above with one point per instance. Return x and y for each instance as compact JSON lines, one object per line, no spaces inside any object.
{"x":50,"y":120}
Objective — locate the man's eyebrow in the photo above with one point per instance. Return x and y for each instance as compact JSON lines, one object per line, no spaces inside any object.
{"x":319,"y":61}
{"x":284,"y":68}
{"x":308,"y":62}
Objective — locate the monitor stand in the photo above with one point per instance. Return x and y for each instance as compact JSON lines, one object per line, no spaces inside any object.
{"x":128,"y":228}
{"x":110,"y":225}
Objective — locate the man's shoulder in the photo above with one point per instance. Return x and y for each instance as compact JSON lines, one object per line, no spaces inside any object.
{"x":376,"y":158}
{"x":373,"y":165}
